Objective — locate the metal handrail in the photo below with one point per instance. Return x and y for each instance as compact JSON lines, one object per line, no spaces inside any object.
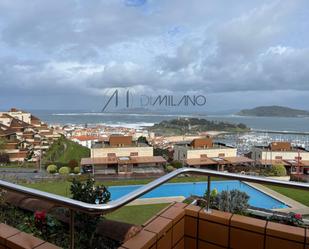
{"x":79,"y":206}
{"x":113,"y":205}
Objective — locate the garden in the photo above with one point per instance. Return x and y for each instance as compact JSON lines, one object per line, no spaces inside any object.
{"x":51,"y":224}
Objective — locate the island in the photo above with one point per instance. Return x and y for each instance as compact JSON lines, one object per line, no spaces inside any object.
{"x":273,"y":111}
{"x":183,"y":126}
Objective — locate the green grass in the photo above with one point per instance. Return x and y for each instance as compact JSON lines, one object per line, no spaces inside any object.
{"x":64,"y":150}
{"x":55,"y":187}
{"x":301,"y":196}
{"x":136,"y":214}
{"x":23,"y":165}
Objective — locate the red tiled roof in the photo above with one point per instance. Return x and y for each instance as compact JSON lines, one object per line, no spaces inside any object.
{"x":5,"y":130}
{"x":238,"y":160}
{"x":16,"y":123}
{"x":85,"y":138}
{"x":201,"y":161}
{"x":219,"y":160}
{"x":5,"y":115}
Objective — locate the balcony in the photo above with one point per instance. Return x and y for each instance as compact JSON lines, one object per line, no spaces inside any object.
{"x":178,"y":226}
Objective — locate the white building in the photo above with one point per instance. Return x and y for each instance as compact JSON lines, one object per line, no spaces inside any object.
{"x":202,"y":152}
{"x":282,"y":153}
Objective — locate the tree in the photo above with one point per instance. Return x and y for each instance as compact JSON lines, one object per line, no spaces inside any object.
{"x":161,"y":152}
{"x":2,"y":144}
{"x":4,"y":157}
{"x":278,"y":170}
{"x":142,"y":139}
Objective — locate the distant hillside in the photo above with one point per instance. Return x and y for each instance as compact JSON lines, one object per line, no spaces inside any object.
{"x":273,"y":111}
{"x":193,"y":126}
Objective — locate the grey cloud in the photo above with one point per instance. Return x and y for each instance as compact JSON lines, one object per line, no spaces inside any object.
{"x":78,"y":48}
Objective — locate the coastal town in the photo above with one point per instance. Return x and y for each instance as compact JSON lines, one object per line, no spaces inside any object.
{"x":138,"y":152}
{"x":105,"y":161}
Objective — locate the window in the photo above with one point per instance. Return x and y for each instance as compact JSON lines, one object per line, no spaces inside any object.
{"x":134,"y":154}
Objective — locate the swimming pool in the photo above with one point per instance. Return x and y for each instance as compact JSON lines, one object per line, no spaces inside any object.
{"x":257,"y":198}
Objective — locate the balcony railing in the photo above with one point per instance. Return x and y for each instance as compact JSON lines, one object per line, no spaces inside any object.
{"x":74,"y":205}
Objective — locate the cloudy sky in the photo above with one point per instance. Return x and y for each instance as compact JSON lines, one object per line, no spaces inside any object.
{"x":70,"y":54}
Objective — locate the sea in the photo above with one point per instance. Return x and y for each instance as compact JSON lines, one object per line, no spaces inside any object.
{"x":263,"y":129}
{"x":138,"y":120}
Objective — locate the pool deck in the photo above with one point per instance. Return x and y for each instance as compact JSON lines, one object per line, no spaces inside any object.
{"x":158,"y":200}
{"x":295,"y":206}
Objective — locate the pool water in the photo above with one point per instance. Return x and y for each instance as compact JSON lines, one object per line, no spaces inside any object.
{"x":257,"y":198}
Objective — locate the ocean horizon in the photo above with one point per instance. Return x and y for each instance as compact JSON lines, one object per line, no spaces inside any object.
{"x":138,"y":120}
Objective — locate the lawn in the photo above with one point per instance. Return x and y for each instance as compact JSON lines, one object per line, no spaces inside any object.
{"x":64,"y":150}
{"x":136,"y":214}
{"x":55,"y":187}
{"x":301,"y":196}
{"x":125,"y":214}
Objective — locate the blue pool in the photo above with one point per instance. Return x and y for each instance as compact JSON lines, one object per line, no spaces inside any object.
{"x":257,"y":198}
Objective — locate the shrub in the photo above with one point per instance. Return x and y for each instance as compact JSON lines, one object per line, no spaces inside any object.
{"x":291,"y":218}
{"x":64,"y":170}
{"x":233,"y":201}
{"x":169,"y":168}
{"x":76,"y":170}
{"x":298,"y":178}
{"x":90,"y":193}
{"x":4,"y":157}
{"x":278,"y":170}
{"x":176,"y":164}
{"x":52,"y":169}
{"x":72,"y":164}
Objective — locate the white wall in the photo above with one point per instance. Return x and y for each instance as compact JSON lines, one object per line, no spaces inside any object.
{"x":260,"y":154}
{"x":121,"y":151}
{"x":183,"y":152}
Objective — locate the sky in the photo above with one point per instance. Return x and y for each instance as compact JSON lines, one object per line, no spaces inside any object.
{"x":73,"y":54}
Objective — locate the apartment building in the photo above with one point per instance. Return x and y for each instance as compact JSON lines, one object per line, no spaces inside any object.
{"x":203,"y":152}
{"x":120,"y":155}
{"x":282,"y":153}
{"x":26,"y":136}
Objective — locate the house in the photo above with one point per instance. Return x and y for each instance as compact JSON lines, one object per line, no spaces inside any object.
{"x":204,"y":153}
{"x":122,"y":156}
{"x":26,"y":136}
{"x":283,"y":153}
{"x":84,"y":140}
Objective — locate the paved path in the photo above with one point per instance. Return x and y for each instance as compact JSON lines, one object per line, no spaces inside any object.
{"x":146,"y":201}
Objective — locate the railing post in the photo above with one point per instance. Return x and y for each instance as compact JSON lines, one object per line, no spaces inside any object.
{"x":72,"y":229}
{"x":208,"y":210}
